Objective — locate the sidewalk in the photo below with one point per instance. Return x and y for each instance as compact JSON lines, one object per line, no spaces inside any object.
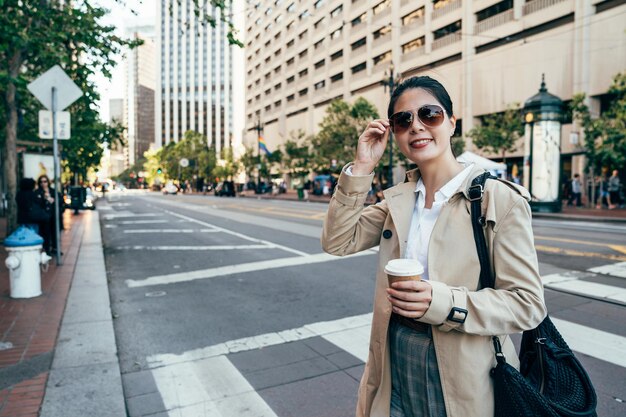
{"x":568,"y":213}
{"x":58,"y":356}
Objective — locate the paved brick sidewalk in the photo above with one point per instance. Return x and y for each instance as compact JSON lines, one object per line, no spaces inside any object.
{"x":32,"y":326}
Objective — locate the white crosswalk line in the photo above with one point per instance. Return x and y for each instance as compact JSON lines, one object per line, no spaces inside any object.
{"x":211,"y":387}
{"x":171,"y":231}
{"x":237,"y":269}
{"x":126,"y":213}
{"x":573,"y":283}
{"x":144,"y":221}
{"x":353,"y":341}
{"x":616,"y":270}
{"x":195,"y":247}
{"x":602,"y":345}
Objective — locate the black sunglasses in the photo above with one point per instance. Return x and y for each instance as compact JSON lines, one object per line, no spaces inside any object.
{"x":430,"y":115}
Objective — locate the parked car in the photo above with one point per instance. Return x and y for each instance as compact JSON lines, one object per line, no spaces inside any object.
{"x":170,"y":188}
{"x":225,"y":188}
{"x":80,"y":198}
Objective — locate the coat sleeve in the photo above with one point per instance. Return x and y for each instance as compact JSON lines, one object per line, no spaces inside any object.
{"x":350,"y":227}
{"x":517,"y":303}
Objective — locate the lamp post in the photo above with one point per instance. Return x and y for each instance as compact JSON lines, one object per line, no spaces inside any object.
{"x":390,"y":81}
{"x":259,"y":128}
{"x":543,"y":113}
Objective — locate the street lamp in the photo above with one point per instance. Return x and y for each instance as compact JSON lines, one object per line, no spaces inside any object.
{"x":390,"y":81}
{"x":543,"y":113}
{"x":259,"y":128}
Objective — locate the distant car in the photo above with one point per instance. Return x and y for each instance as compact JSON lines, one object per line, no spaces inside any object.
{"x":225,"y":188}
{"x":169,"y":188}
{"x":80,"y":198}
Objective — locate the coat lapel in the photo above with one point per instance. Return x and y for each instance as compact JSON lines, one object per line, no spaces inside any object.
{"x":401,"y":201}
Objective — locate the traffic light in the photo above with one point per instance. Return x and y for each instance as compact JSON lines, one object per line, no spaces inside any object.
{"x":159,"y":170}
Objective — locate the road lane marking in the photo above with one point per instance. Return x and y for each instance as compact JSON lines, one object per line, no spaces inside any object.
{"x":195,"y":247}
{"x":571,"y":252}
{"x":122,"y":214}
{"x":239,"y":235}
{"x":616,"y":270}
{"x":323,"y":329}
{"x":601,"y":345}
{"x":237,"y":269}
{"x":210,"y":387}
{"x":171,"y":231}
{"x":143,"y":221}
{"x":573,"y":283}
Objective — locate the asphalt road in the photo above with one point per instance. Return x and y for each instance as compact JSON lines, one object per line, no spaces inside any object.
{"x":228,"y":306}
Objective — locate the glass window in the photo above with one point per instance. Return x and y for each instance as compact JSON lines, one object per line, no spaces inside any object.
{"x":382,"y":31}
{"x":336,"y":12}
{"x":413,"y":16}
{"x":336,"y":77}
{"x":336,"y":55}
{"x":320,"y":63}
{"x":291,"y":7}
{"x":382,"y":6}
{"x":320,"y":84}
{"x":336,"y":34}
{"x":319,"y":44}
{"x":447,"y":30}
{"x":413,"y":45}
{"x":318,"y":4}
{"x":268,"y":11}
{"x":382,"y":58}
{"x":303,"y":92}
{"x":319,"y":22}
{"x":303,"y":72}
{"x":359,"y":19}
{"x":356,"y":45}
{"x":303,"y":53}
{"x":304,"y":14}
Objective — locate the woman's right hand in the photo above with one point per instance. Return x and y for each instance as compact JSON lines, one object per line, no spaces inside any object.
{"x":371,"y":147}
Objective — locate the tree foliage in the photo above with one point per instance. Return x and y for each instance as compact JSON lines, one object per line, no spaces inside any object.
{"x":604,"y":136}
{"x":499,"y":132}
{"x":297,"y":154}
{"x":339,"y":131}
{"x":193,"y":147}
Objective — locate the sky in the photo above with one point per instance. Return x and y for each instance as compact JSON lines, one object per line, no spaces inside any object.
{"x":121,"y":16}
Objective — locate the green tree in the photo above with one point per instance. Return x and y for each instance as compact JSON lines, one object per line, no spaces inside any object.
{"x":339,"y":132}
{"x":249,"y":161}
{"x":226,"y":166}
{"x":498,"y":133}
{"x":37,"y":34}
{"x":604,"y":136}
{"x":297,"y":154}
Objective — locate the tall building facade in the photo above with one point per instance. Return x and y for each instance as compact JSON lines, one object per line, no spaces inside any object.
{"x":115,"y":158}
{"x":488,"y":54}
{"x":198,"y":86}
{"x":140,"y":91}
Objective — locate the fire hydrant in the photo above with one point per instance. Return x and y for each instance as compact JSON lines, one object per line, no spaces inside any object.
{"x":24,"y":262}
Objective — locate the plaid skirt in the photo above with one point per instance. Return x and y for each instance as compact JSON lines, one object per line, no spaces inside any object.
{"x":415,"y":383}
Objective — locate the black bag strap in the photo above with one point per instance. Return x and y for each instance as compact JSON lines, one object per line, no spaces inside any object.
{"x":475,"y":194}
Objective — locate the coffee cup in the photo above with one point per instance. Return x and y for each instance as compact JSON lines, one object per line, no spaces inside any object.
{"x":403,"y":270}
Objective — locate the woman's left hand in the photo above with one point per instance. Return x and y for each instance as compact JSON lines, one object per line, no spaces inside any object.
{"x":410,"y":298}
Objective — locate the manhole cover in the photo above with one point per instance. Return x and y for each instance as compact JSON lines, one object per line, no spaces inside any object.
{"x":155,"y":294}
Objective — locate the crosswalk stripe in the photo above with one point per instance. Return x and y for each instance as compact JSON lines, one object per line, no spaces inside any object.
{"x":195,"y":247}
{"x":122,"y":214}
{"x":143,"y":221}
{"x":211,"y":387}
{"x":237,"y":269}
{"x":171,"y":231}
{"x":602,"y":345}
{"x":616,"y":270}
{"x":571,"y":282}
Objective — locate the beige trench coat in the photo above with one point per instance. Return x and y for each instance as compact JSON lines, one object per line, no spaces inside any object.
{"x":465,"y":352}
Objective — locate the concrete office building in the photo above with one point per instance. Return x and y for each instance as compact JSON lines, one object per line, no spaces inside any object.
{"x":201,"y":76}
{"x":140,"y":84}
{"x":488,"y":53}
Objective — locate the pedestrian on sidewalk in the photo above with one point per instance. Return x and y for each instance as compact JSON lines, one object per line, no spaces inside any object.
{"x":430,"y":348}
{"x":30,"y":212}
{"x":614,"y":189}
{"x":45,"y":197}
{"x":575,"y":192}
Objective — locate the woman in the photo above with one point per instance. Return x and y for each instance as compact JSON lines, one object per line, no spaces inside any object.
{"x":430,"y":347}
{"x":45,"y":197}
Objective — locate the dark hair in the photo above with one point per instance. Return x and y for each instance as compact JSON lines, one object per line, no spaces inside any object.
{"x":431,"y":85}
{"x":42,"y":177}
{"x":27,"y":184}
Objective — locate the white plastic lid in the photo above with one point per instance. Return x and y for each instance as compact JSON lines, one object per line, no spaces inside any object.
{"x":404,"y":267}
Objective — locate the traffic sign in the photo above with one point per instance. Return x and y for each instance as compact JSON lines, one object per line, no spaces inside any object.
{"x":67,"y":91}
{"x":184,"y":162}
{"x":45,"y":124}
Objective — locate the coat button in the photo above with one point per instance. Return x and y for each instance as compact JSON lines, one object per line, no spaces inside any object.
{"x":387,"y":234}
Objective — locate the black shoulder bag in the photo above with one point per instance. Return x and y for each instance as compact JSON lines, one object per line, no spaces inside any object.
{"x":551,"y":382}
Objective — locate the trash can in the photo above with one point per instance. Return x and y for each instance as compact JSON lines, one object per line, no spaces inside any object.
{"x":300,"y":193}
{"x":24,"y":260}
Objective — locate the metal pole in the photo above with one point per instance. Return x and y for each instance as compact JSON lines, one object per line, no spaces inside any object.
{"x":57,"y":171}
{"x":530,"y":162}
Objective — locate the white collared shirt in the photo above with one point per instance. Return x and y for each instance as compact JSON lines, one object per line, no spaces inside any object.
{"x":423,"y":219}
